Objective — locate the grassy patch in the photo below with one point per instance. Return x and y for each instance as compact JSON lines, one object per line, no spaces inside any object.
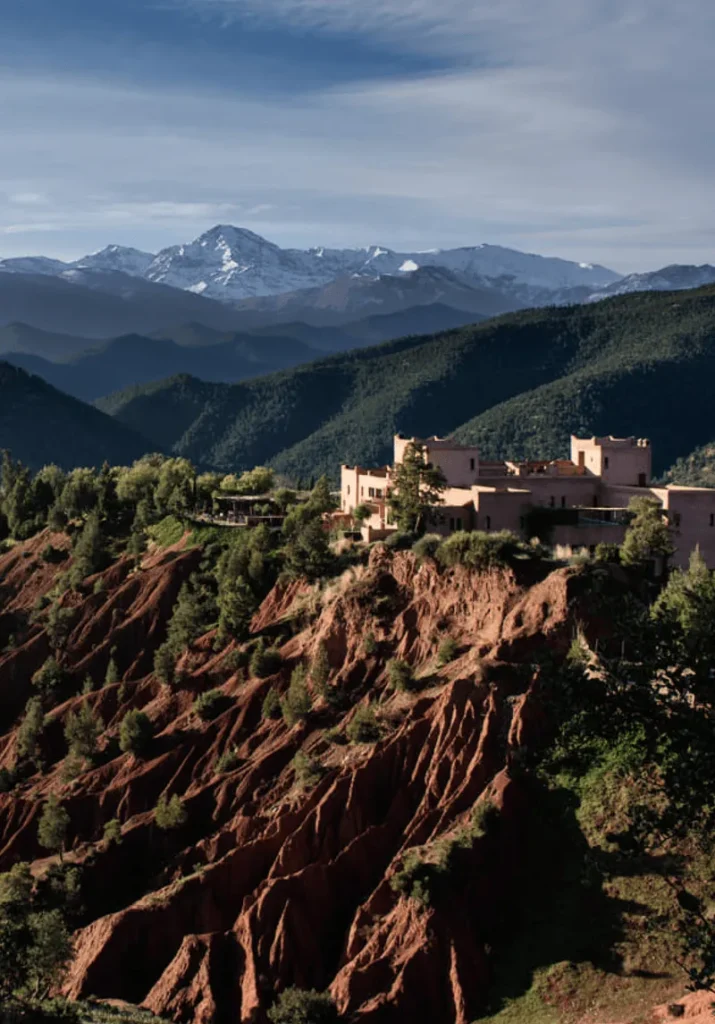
{"x":167,"y":531}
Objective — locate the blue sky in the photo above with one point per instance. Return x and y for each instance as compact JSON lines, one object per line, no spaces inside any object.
{"x":579,"y":128}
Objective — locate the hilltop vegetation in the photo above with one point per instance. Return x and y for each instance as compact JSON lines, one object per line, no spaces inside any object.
{"x":518,"y":384}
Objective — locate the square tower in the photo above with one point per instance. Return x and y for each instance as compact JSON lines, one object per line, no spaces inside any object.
{"x":620,"y":461}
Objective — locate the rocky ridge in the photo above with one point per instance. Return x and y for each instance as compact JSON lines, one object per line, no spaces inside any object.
{"x":272,"y":883}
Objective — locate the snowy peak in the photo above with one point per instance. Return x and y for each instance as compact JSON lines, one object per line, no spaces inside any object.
{"x":675,"y":277}
{"x":32,"y":265}
{"x":113,"y":258}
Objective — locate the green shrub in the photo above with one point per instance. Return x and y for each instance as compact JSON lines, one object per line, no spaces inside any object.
{"x":271,"y":707}
{"x":52,"y":555}
{"x":265,"y":661}
{"x":228,"y":762}
{"x":448,"y":650}
{"x":112,"y":832}
{"x":369,"y":644}
{"x":415,"y":878}
{"x":426,"y":547}
{"x":297,"y":703}
{"x":135,"y":733}
{"x":308,"y":770}
{"x":607,"y":553}
{"x":50,"y":677}
{"x":303,"y":1006}
{"x":399,"y":541}
{"x":170,"y":814}
{"x":363,"y":726}
{"x":478,"y":550}
{"x":211,"y":704}
{"x":400,"y":676}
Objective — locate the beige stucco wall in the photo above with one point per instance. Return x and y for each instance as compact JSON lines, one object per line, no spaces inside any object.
{"x":616,"y":460}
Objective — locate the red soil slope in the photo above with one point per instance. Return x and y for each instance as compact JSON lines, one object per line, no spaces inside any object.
{"x":269,"y":884}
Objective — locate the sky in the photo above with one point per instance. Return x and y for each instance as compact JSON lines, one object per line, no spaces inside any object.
{"x":574,"y":128}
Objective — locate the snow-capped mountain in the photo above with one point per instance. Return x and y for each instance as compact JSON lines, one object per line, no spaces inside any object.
{"x":234,"y":265}
{"x":673,"y":278}
{"x":32,"y":265}
{"x":231,"y":264}
{"x":117,"y":258}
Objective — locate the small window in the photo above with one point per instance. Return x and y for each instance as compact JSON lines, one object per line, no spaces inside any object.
{"x":712,"y":519}
{"x":471,"y":464}
{"x":459,"y":524}
{"x":552,"y":501}
{"x":641,"y":479}
{"x":371,"y":492}
{"x":378,"y":492}
{"x":676,"y":519}
{"x":489,"y":522}
{"x":451,"y":523}
{"x":522,"y":522}
{"x":605,"y":462}
{"x":362,"y":492}
{"x":348,"y":488}
{"x":563,"y":501}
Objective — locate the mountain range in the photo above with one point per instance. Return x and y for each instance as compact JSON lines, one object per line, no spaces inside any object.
{"x":518,"y":385}
{"x":230,"y":264}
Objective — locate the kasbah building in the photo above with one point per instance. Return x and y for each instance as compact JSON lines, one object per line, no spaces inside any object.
{"x":580,"y":502}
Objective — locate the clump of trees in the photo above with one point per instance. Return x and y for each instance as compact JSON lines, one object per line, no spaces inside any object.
{"x":35,"y":942}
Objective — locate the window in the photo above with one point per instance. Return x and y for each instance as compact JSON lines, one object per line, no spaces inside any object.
{"x":451,"y":523}
{"x":378,"y":492}
{"x":552,"y":501}
{"x":459,"y":523}
{"x":581,"y":459}
{"x":362,"y":492}
{"x":489,"y":522}
{"x":676,"y":519}
{"x":712,"y":519}
{"x":348,"y":488}
{"x":371,"y":492}
{"x":563,"y":501}
{"x":641,"y":479}
{"x":471,"y":464}
{"x":605,"y":462}
{"x":522,"y":522}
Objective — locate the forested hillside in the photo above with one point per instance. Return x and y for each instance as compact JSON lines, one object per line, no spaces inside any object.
{"x":42,"y":425}
{"x":518,"y":384}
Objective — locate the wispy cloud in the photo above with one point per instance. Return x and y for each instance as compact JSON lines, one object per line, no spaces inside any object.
{"x":568,"y":127}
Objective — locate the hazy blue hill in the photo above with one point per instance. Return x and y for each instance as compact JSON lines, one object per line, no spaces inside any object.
{"x":519,"y":384}
{"x":134,"y":359}
{"x":23,"y":339}
{"x":40,"y":425}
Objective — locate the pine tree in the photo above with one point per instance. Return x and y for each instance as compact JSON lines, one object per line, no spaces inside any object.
{"x":54,"y":822}
{"x":30,"y":730}
{"x":648,"y":535}
{"x":82,"y":730}
{"x":417,"y":487}
{"x":135,"y":732}
{"x":90,"y":552}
